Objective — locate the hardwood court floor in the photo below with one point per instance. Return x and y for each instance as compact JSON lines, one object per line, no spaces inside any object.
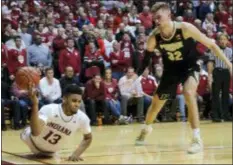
{"x":115,"y":145}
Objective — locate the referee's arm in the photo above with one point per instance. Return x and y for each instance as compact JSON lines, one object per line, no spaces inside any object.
{"x":210,"y":68}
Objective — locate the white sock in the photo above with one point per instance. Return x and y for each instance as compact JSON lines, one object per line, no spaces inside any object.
{"x":148,"y":128}
{"x":196,"y":133}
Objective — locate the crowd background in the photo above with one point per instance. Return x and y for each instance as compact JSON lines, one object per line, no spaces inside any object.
{"x":99,"y":45}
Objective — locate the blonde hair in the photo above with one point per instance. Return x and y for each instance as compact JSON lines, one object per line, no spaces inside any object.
{"x":160,"y":5}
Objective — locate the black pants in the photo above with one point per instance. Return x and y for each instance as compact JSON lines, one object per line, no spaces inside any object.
{"x":15,"y":107}
{"x":221,"y":83}
{"x":207,"y":100}
{"x":93,"y":107}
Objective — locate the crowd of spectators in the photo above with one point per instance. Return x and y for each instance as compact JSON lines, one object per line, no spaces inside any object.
{"x":99,"y":45}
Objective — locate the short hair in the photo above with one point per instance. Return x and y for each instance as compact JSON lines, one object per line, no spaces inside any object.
{"x":72,"y":89}
{"x":16,"y":37}
{"x":222,"y":35}
{"x":69,"y":38}
{"x":160,"y":5}
{"x":48,"y":69}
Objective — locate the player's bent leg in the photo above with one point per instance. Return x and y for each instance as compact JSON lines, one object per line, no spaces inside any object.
{"x":152,"y":112}
{"x":190,"y":87}
{"x":26,"y":138}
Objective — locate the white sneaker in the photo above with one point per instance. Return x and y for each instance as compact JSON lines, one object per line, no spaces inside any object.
{"x":196,"y":146}
{"x":123,"y":121}
{"x":140,"y":141}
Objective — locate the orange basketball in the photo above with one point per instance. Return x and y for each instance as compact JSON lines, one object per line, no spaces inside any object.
{"x":25,"y":75}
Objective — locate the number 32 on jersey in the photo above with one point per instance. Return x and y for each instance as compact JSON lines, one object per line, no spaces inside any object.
{"x":175,"y":56}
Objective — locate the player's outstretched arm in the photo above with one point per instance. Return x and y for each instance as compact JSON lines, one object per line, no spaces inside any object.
{"x":150,"y":46}
{"x":190,"y":30}
{"x":87,"y":138}
{"x":36,"y":123}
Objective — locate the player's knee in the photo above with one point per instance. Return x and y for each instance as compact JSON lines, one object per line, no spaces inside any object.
{"x":189,"y":93}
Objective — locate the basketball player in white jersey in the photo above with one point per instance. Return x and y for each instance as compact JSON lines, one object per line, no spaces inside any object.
{"x":52,"y":126}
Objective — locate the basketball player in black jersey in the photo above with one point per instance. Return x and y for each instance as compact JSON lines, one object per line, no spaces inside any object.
{"x":177,"y":44}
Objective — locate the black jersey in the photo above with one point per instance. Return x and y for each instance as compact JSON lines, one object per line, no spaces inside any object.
{"x":178,"y":54}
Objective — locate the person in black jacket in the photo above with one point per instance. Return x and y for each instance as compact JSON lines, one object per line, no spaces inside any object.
{"x":68,"y":78}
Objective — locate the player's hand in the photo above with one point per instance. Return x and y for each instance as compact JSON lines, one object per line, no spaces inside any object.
{"x":32,"y":93}
{"x":75,"y":158}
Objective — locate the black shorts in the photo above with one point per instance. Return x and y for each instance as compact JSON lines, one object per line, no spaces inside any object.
{"x":169,"y":82}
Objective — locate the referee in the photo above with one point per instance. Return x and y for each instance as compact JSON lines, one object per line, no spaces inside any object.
{"x":219,"y":79}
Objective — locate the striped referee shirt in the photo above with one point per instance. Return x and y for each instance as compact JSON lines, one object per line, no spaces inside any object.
{"x":218,"y":62}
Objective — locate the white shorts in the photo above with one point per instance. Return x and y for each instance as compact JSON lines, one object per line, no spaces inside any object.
{"x":26,"y":136}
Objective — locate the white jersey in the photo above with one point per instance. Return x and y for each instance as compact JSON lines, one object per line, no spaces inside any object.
{"x":59,"y":127}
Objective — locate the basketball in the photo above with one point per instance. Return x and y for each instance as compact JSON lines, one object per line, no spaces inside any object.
{"x":25,"y":75}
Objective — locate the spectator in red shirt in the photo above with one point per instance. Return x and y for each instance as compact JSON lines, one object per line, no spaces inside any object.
{"x":119,"y":61}
{"x":221,"y":15}
{"x":94,"y":99}
{"x":127,"y":47}
{"x":112,"y":94}
{"x":146,"y":18}
{"x":58,"y":45}
{"x":17,"y":57}
{"x":70,"y":57}
{"x":4,"y":56}
{"x":93,"y":61}
{"x":149,"y":86}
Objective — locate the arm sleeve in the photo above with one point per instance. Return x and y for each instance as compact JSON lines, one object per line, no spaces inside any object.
{"x":146,"y":61}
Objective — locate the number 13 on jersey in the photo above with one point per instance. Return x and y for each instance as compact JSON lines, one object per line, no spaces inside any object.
{"x":175,"y":56}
